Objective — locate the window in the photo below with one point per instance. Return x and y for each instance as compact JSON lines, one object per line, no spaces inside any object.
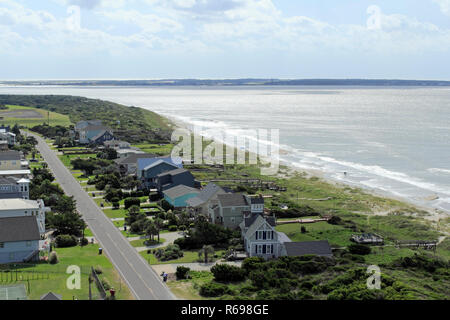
{"x":2,"y":245}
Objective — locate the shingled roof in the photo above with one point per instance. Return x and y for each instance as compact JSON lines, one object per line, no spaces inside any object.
{"x":320,"y":248}
{"x":232,"y":200}
{"x":14,"y":229}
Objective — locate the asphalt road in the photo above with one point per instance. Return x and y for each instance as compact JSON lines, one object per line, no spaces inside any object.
{"x":142,"y":280}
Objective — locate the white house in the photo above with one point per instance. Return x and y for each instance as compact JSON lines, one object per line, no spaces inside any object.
{"x":262,"y":240}
{"x":260,"y":237}
{"x":22,"y":208}
{"x":12,"y":187}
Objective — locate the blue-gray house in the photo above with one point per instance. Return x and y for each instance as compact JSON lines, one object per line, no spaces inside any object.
{"x":173,"y":178}
{"x":19,"y":239}
{"x":149,"y":168}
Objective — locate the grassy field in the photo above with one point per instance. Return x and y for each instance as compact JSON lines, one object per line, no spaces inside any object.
{"x":189,"y":256}
{"x":54,"y":277}
{"x":160,"y":150}
{"x":55,"y":118}
{"x":140,"y":242}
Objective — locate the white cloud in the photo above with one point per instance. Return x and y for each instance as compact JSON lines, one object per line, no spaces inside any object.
{"x":444,"y":5}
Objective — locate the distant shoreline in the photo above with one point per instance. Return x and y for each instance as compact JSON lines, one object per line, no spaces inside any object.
{"x":234,"y":82}
{"x":434,"y":213}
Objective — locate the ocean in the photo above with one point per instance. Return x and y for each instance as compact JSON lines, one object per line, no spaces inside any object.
{"x":393,"y":140}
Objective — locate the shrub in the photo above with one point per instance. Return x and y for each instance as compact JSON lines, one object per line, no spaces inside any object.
{"x":171,"y":252}
{"x":335,"y":220}
{"x":166,"y":205}
{"x":132,"y":202}
{"x":356,"y":248}
{"x":226,"y":272}
{"x":212,"y":289}
{"x":252,"y":264}
{"x":173,"y":228}
{"x":182,"y":272}
{"x":65,"y":240}
{"x":98,"y":270}
{"x":84,"y":242}
{"x":53,"y":258}
{"x":105,"y":284}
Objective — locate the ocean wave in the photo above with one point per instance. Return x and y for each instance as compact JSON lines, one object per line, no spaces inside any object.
{"x":438,"y":170}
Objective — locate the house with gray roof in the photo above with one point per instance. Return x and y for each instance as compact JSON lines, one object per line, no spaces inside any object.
{"x":178,"y":195}
{"x":149,"y":169}
{"x":260,"y":237}
{"x":230,"y":208}
{"x":22,"y":207}
{"x":318,"y":248}
{"x":173,"y":178}
{"x":19,"y":239}
{"x":50,"y":296}
{"x":94,"y":133}
{"x":199,"y":204}
{"x":128,"y":165}
{"x":12,"y":187}
{"x":262,"y":240}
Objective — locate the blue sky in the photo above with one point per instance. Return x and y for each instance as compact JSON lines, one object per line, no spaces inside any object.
{"x":153,"y":39}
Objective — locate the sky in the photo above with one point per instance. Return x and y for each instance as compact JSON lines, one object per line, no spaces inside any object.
{"x":217,"y":39}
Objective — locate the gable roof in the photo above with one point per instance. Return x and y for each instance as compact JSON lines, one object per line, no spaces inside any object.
{"x":95,"y":127}
{"x":319,"y":248}
{"x":205,"y":194}
{"x":157,"y":163}
{"x":257,"y":220}
{"x":10,"y":155}
{"x":179,"y":191}
{"x":256,"y":200}
{"x":8,"y":180}
{"x":144,"y":163}
{"x":51,"y":296}
{"x":19,"y":229}
{"x":133,"y":158}
{"x":173,"y":172}
{"x":101,"y":134}
{"x":232,"y":200}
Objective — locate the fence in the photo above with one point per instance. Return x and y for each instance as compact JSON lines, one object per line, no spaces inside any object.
{"x":99,"y":284}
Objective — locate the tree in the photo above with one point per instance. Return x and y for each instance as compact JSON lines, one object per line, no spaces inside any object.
{"x":206,"y":252}
{"x":66,"y":223}
{"x":159,"y":223}
{"x":151,"y":230}
{"x":16,"y":129}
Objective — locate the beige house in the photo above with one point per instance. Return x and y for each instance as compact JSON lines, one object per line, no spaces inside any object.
{"x":10,"y":160}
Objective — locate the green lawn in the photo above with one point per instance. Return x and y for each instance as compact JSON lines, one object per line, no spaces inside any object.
{"x":54,"y":277}
{"x":55,"y":118}
{"x":190,"y":256}
{"x":65,"y":159}
{"x":115,"y":213}
{"x":140,"y":242}
{"x":336,"y":235}
{"x":155,"y":148}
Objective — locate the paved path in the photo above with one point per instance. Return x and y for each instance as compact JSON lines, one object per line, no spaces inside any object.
{"x":169,"y":238}
{"x":142,"y":280}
